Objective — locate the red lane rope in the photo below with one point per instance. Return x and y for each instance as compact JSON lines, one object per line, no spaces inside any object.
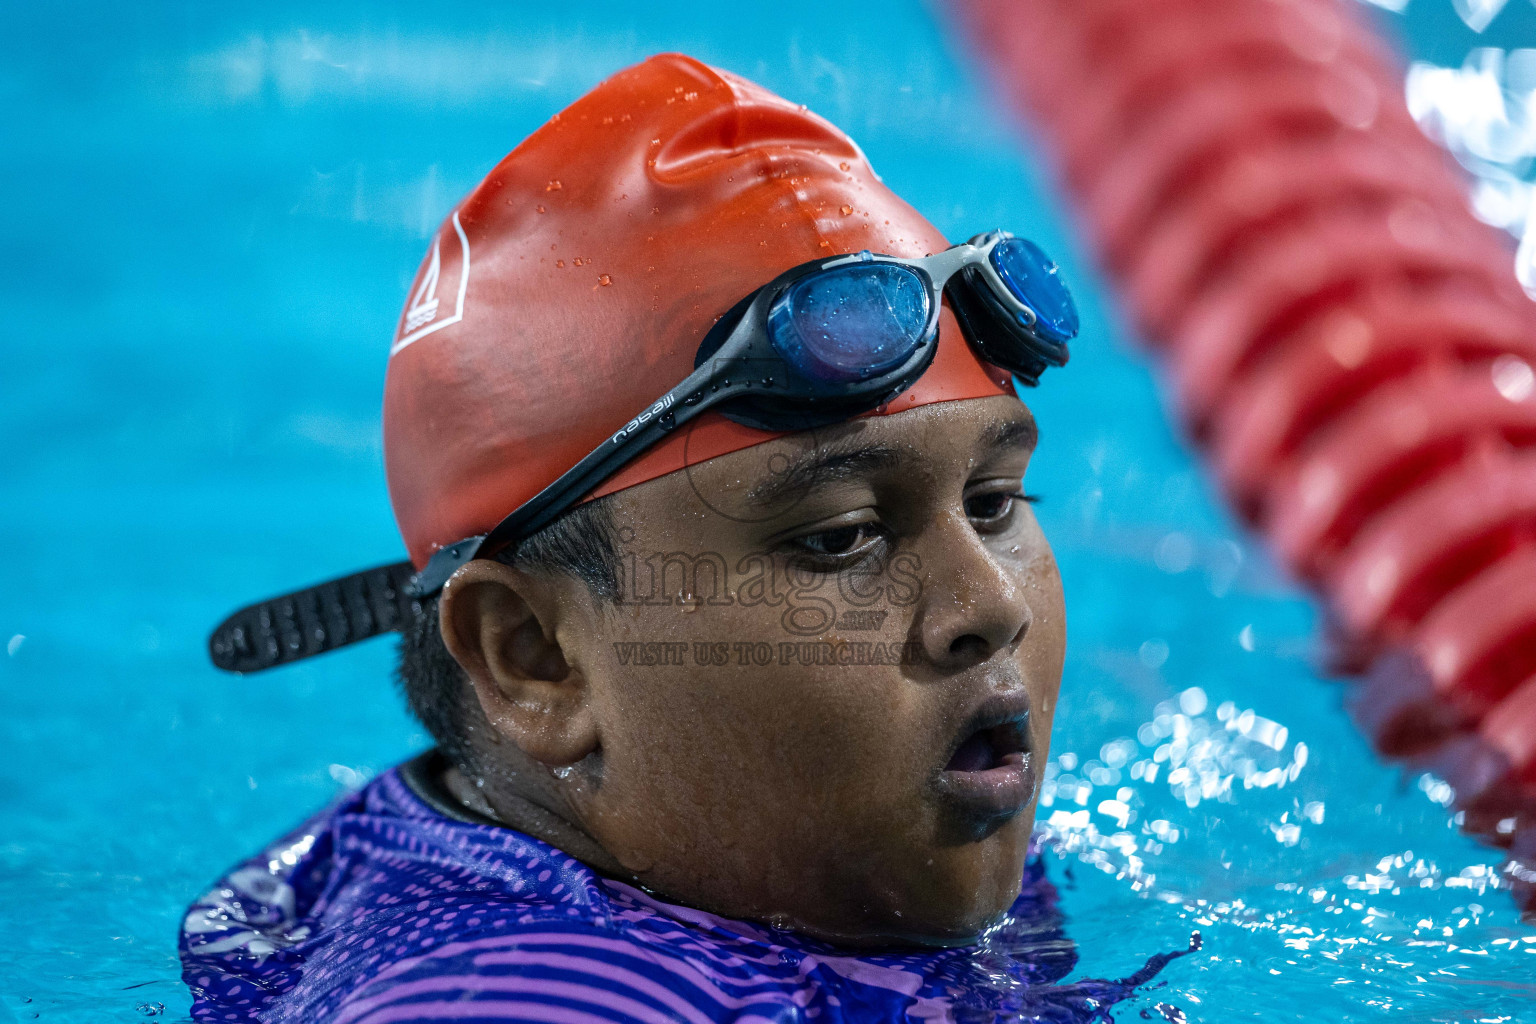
{"x":1346,"y":340}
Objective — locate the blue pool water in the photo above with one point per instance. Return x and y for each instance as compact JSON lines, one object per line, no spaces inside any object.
{"x":211,"y":218}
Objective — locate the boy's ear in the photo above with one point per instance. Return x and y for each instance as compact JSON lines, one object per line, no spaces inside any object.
{"x":498,"y":623}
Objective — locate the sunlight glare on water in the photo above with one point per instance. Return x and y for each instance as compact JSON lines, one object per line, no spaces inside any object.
{"x":1139,"y":812}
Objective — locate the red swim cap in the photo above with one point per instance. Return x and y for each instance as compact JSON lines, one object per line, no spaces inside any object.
{"x":572,"y":287}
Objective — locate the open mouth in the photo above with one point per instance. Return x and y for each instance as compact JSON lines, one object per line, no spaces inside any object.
{"x":992,"y":747}
{"x":991,"y":773}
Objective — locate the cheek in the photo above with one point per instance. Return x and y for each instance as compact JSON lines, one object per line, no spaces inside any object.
{"x":712,"y":724}
{"x":1043,"y":651}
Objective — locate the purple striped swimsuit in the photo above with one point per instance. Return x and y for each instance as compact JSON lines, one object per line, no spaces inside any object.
{"x":390,"y":907}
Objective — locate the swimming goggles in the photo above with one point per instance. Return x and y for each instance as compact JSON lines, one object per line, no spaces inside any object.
{"x":819,"y":344}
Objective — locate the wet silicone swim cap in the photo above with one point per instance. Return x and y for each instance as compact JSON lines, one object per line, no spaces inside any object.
{"x":572,"y":287}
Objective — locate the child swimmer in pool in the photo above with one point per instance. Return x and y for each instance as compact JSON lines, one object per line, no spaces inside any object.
{"x":739,"y":701}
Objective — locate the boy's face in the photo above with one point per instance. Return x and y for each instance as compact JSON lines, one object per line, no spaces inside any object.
{"x":827,"y":687}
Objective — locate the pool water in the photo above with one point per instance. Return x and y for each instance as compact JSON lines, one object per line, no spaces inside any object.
{"x":213,"y":215}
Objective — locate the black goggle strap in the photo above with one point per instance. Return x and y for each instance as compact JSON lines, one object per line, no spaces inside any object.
{"x":700,"y":390}
{"x":315,"y":620}
{"x":366,"y":604}
{"x":388,"y":597}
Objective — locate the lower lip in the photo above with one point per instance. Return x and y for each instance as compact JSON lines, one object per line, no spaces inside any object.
{"x":998,"y":792}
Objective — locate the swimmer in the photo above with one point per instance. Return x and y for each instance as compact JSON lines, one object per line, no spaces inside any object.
{"x":726,"y":609}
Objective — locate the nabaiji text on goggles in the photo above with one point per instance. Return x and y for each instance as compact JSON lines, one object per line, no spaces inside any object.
{"x":821,"y":343}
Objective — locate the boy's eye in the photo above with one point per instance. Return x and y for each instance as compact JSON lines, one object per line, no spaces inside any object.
{"x":993,"y":507}
{"x":840,"y":541}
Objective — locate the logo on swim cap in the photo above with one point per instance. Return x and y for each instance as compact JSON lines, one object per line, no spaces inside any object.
{"x":421,"y":315}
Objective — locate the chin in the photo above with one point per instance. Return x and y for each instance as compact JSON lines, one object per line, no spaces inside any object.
{"x":943,"y":930}
{"x":954,"y":901}
{"x":980,"y":882}
{"x":962,"y":925}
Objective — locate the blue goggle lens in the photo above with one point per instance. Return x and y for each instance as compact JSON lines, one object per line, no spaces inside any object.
{"x":851,"y":323}
{"x":1032,"y":277}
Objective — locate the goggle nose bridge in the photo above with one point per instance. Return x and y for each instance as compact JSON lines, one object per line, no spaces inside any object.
{"x":973,"y":256}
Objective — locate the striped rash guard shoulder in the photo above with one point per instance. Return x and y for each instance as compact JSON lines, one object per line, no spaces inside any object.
{"x":391,"y":908}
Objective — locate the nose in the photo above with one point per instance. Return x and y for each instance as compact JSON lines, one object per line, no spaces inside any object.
{"x":973,"y":604}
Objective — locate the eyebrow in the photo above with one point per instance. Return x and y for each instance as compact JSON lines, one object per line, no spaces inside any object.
{"x":823,"y":466}
{"x":1011,"y":433}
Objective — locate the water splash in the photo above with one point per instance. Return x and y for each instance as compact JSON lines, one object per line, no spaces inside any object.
{"x":1154,"y":811}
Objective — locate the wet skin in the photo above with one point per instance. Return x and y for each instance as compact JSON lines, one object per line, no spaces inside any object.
{"x":867,"y":804}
